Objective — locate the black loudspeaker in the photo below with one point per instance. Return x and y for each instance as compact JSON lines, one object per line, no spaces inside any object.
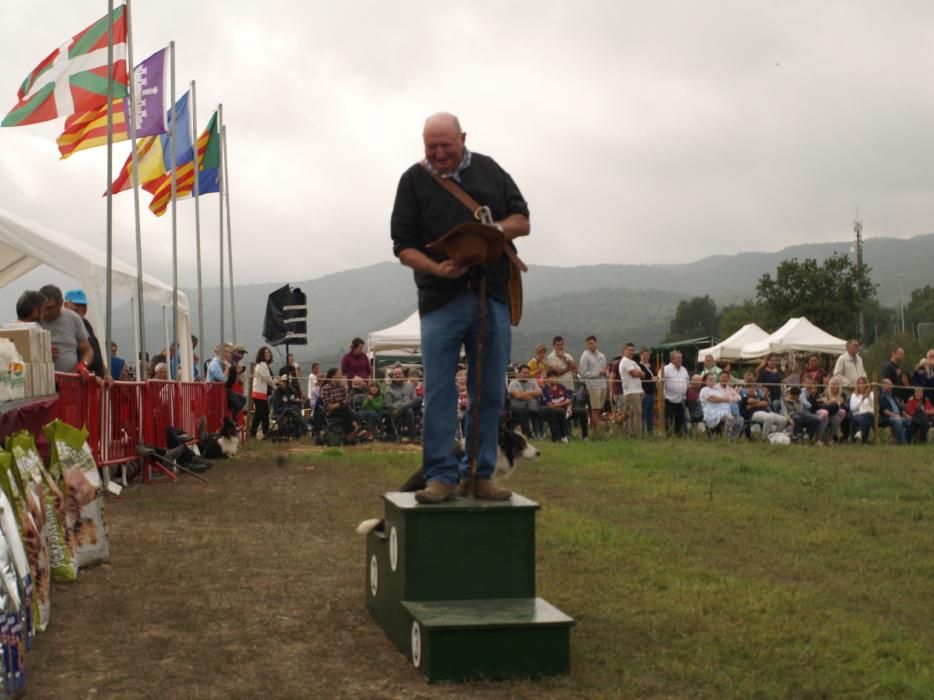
{"x":286,"y":321}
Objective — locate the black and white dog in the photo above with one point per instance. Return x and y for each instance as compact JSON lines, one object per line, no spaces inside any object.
{"x":513,"y":446}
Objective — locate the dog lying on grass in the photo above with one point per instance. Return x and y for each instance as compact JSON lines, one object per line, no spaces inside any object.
{"x":513,"y":446}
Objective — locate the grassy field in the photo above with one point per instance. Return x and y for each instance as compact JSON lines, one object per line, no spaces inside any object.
{"x":694,"y":570}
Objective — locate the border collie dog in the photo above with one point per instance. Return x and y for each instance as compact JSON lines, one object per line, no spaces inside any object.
{"x":513,"y":446}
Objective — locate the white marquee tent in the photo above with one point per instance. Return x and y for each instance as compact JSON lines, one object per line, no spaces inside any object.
{"x":797,"y":335}
{"x":24,"y":245}
{"x":731,"y":348}
{"x":406,"y":335}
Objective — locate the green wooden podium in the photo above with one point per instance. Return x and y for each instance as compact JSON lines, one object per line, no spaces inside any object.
{"x":453,"y":586}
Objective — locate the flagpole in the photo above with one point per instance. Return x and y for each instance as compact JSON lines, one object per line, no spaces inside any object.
{"x":172,"y":142}
{"x":220,"y":199}
{"x":197,"y":188}
{"x":226,"y":195}
{"x":135,"y":178}
{"x":108,"y":295}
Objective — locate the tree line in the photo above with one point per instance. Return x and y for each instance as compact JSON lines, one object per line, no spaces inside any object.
{"x":830,"y":294}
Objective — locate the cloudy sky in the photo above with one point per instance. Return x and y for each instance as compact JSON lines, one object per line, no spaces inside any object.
{"x":639,"y":132}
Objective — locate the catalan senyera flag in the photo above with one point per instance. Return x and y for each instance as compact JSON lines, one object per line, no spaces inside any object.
{"x":73,"y":78}
{"x":209,"y":163}
{"x":153,"y":152}
{"x":90,"y":128}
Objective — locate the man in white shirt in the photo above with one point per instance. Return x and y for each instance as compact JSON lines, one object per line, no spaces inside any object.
{"x":849,"y":367}
{"x":594,"y":371}
{"x":562,"y":363}
{"x":631,"y":377}
{"x":676,"y":379}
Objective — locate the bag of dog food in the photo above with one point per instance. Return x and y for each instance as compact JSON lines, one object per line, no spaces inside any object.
{"x":12,"y":629}
{"x":30,"y":520}
{"x":33,"y":474}
{"x":9,"y":531}
{"x":81,"y":484}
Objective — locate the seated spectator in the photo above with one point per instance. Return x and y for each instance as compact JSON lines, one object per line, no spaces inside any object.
{"x":813,"y":371}
{"x":556,"y":401}
{"x":923,"y":375}
{"x":862,"y":407}
{"x":715,"y":405}
{"x":161,"y":372}
{"x":401,"y":401}
{"x":797,"y":409}
{"x":285,"y":405}
{"x":809,"y":399}
{"x":756,"y":407}
{"x":768,"y":375}
{"x":290,"y":367}
{"x":725,"y":381}
{"x":415,"y":379}
{"x":525,"y":403}
{"x":833,"y":401}
{"x":358,"y":391}
{"x":692,"y":404}
{"x":921,"y":412}
{"x":334,"y":397}
{"x":891,"y":415}
{"x":373,"y":406}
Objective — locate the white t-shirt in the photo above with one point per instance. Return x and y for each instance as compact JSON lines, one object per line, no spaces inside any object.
{"x":676,"y":383}
{"x":631,"y":385}
{"x":713,"y":412}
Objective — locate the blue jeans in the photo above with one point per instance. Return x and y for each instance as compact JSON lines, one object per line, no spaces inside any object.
{"x":648,"y":412}
{"x":898,"y":426}
{"x":443,"y":331}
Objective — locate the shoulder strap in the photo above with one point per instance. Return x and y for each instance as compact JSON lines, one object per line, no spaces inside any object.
{"x":456,"y":190}
{"x":460,"y":194}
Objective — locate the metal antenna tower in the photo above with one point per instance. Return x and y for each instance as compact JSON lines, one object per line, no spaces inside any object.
{"x":858,"y":230}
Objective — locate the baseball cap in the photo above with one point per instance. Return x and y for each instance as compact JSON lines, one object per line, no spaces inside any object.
{"x":76,"y":296}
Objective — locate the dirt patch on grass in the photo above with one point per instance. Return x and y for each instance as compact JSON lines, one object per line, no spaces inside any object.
{"x":250,"y":586}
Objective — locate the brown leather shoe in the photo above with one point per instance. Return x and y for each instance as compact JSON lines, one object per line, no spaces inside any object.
{"x":488,"y":490}
{"x":436,"y":492}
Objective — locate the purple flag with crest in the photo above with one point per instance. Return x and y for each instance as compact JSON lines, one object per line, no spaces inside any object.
{"x":148,"y":90}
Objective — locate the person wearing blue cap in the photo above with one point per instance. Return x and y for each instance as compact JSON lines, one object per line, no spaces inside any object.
{"x":77,"y":301}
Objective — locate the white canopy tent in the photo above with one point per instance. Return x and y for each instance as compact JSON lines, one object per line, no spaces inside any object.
{"x":406,"y":335}
{"x":797,"y":335}
{"x":731,"y":348}
{"x":24,"y":245}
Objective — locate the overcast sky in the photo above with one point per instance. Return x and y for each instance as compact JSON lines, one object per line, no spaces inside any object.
{"x":638,"y":132}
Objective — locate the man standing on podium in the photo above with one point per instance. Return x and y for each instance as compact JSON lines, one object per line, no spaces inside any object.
{"x":424,"y":212}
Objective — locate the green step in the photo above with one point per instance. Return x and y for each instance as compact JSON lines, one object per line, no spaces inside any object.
{"x":505,"y":638}
{"x":453,"y":586}
{"x":462,"y":549}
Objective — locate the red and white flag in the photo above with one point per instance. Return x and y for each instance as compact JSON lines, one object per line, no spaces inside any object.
{"x":73,"y":78}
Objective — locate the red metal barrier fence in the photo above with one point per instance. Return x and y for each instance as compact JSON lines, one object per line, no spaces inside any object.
{"x":127,"y":413}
